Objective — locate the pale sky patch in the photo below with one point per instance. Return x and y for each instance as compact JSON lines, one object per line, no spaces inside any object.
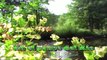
{"x":58,"y":7}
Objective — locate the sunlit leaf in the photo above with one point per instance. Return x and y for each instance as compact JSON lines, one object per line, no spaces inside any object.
{"x":89,"y":55}
{"x":21,"y":22}
{"x":28,"y":42}
{"x":1,"y":30}
{"x":38,"y":36}
{"x":28,"y":30}
{"x":38,"y":56}
{"x":31,"y":17}
{"x":54,"y":37}
{"x":58,"y":43}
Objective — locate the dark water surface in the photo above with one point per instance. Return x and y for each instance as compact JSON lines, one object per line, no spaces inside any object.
{"x":73,"y":54}
{"x":89,"y":41}
{"x":97,"y":42}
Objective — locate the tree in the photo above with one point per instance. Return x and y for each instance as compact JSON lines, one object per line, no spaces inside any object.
{"x":90,"y":13}
{"x":26,"y":7}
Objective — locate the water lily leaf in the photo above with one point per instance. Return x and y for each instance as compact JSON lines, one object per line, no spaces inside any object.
{"x":58,"y":43}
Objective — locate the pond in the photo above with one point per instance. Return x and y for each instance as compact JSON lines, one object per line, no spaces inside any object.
{"x":63,"y":54}
{"x":89,"y":41}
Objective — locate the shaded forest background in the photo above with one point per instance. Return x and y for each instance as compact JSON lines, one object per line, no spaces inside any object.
{"x":85,"y":17}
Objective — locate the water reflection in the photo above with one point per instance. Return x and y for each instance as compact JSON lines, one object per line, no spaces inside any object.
{"x":97,"y":42}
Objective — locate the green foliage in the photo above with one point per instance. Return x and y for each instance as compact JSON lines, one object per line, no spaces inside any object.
{"x":66,"y":25}
{"x":18,"y":25}
{"x":66,"y":48}
{"x":99,"y":52}
{"x":9,"y":45}
{"x":27,"y":23}
{"x":52,"y":19}
{"x":89,"y":55}
{"x":68,"y":59}
{"x":1,"y":30}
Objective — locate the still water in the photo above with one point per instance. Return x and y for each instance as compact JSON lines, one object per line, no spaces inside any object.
{"x":97,"y":42}
{"x":63,"y":54}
